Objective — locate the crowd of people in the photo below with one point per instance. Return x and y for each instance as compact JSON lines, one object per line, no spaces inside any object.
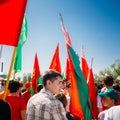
{"x":52,"y":100}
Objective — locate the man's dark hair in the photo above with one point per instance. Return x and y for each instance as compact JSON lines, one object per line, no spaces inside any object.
{"x":14,"y":85}
{"x":108,"y":80}
{"x":39,"y":87}
{"x":50,"y":75}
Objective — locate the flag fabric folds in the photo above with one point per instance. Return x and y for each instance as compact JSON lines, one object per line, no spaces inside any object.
{"x":68,"y":69}
{"x":69,"y":65}
{"x":18,"y":60}
{"x":36,"y":74}
{"x":11,"y":18}
{"x":84,"y":65}
{"x":79,"y":89}
{"x":75,"y":106}
{"x":55,"y":63}
{"x":22,"y":40}
{"x":92,"y":94}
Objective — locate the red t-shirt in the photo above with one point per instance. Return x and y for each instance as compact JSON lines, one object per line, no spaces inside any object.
{"x":17,"y":104}
{"x":26,"y":95}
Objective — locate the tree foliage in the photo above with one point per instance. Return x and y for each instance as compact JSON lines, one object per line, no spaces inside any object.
{"x":26,"y":78}
{"x":113,"y":69}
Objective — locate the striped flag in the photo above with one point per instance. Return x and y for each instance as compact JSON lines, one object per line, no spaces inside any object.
{"x":79,"y":89}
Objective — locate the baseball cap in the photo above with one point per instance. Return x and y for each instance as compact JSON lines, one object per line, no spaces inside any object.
{"x":28,"y":84}
{"x":110,"y":92}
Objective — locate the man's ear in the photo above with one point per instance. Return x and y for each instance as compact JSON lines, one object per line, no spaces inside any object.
{"x":48,"y":82}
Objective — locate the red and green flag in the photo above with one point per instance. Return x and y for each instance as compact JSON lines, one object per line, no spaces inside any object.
{"x":36,"y":74}
{"x":55,"y":63}
{"x":79,"y":89}
{"x":75,"y":106}
{"x":79,"y":103}
{"x":11,"y":18}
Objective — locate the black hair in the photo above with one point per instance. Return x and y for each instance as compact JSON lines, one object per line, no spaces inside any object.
{"x":39,"y":87}
{"x":50,"y":75}
{"x":14,"y":85}
{"x":108,"y":80}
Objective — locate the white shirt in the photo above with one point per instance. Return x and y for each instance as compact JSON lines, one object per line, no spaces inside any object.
{"x":112,"y":113}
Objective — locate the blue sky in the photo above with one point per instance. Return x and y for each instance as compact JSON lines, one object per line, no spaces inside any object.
{"x":95,"y":24}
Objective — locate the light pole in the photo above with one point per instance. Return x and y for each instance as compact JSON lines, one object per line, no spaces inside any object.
{"x":2,"y":62}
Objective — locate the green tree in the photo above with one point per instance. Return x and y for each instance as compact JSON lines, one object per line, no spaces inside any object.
{"x":116,"y":68}
{"x":113,"y":69}
{"x":29,"y":77}
{"x":25,"y":79}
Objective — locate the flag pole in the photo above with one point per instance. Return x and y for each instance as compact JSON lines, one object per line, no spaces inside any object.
{"x":14,"y":74}
{"x":91,"y":62}
{"x":9,"y":73}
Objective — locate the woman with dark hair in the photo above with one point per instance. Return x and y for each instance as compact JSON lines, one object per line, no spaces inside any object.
{"x":62,"y":98}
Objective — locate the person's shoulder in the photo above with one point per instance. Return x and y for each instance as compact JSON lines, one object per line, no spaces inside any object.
{"x":114,"y":108}
{"x":113,"y":113}
{"x":34,"y":97}
{"x":39,"y":99}
{"x":102,"y":114}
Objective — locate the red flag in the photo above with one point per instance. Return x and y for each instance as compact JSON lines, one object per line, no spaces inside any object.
{"x":55,"y":63}
{"x":68,"y":69}
{"x":69,"y":65}
{"x":92,"y":93}
{"x":84,"y":65}
{"x":11,"y":18}
{"x":36,"y":74}
{"x":66,"y":34}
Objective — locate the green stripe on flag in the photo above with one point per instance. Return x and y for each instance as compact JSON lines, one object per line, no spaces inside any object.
{"x":81,"y":85}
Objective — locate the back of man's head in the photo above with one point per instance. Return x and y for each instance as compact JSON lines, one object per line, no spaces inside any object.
{"x":108,"y":81}
{"x":14,"y":85}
